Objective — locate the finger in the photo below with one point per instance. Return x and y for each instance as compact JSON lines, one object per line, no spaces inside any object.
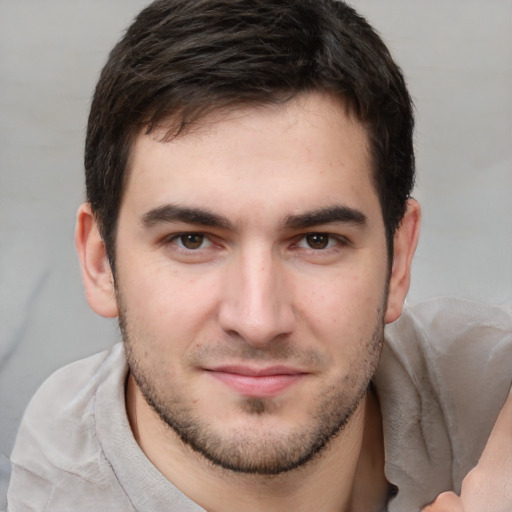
{"x":445,"y":502}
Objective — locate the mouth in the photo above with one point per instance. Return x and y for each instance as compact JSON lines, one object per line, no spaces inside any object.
{"x":257,"y":382}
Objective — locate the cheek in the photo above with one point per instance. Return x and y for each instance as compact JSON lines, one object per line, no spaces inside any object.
{"x":344,"y":307}
{"x":168,"y":305}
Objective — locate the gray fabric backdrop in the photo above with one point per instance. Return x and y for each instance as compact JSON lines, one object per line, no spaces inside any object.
{"x":457,"y":56}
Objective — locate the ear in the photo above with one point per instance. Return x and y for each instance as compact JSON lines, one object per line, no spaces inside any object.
{"x":96,"y":272}
{"x":405,"y":242}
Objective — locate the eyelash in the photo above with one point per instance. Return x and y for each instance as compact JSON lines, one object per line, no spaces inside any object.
{"x":339,"y":241}
{"x":176,"y":238}
{"x":336,"y":241}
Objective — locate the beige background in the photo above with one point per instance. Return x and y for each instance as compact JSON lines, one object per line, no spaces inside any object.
{"x":457,"y":56}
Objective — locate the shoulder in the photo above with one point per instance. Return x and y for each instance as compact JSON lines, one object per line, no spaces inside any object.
{"x":56,"y":445}
{"x":455,"y":343}
{"x":69,"y":392}
{"x":444,"y":376}
{"x":443,"y":318}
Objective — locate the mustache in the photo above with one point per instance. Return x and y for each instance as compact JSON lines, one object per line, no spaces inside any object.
{"x":278,"y":351}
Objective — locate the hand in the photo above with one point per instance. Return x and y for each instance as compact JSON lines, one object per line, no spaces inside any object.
{"x":488,"y":486}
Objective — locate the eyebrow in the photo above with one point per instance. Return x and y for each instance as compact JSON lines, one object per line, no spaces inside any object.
{"x":329,"y":215}
{"x":174,"y":213}
{"x":169,"y":213}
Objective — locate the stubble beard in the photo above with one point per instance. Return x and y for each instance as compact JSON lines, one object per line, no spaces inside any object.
{"x":251,"y":450}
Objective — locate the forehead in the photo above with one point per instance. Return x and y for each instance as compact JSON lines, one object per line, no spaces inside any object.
{"x":308,"y":149}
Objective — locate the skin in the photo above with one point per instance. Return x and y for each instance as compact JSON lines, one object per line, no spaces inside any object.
{"x":282,"y":271}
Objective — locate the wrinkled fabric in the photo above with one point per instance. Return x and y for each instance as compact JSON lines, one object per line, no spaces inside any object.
{"x":445,"y":372}
{"x":75,"y":450}
{"x":444,"y":375}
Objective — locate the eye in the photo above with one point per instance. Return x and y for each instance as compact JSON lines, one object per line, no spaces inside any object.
{"x":192,"y":241}
{"x":319,"y":241}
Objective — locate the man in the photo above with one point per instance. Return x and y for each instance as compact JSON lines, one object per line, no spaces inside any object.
{"x":249,"y":166}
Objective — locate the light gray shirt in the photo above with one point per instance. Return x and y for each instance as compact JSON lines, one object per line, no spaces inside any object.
{"x":444,"y":375}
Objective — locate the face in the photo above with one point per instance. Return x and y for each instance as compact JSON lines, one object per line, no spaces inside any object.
{"x":251,"y":279}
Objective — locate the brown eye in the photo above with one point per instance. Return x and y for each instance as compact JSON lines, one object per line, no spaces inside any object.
{"x":317,"y":240}
{"x":191,"y":241}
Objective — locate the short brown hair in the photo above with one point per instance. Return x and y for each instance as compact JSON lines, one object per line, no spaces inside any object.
{"x":181,"y":59}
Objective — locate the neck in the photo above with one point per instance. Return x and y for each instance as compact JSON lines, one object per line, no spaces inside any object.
{"x":346,"y":476}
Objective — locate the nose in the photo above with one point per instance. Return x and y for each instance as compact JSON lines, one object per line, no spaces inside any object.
{"x":256,"y":300}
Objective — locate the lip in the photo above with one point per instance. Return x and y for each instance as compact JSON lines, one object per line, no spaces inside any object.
{"x":257,"y":382}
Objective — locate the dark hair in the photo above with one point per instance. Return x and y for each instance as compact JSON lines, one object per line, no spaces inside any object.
{"x":181,"y":59}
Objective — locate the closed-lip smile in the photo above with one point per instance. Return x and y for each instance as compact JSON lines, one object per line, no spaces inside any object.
{"x":257,"y":382}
